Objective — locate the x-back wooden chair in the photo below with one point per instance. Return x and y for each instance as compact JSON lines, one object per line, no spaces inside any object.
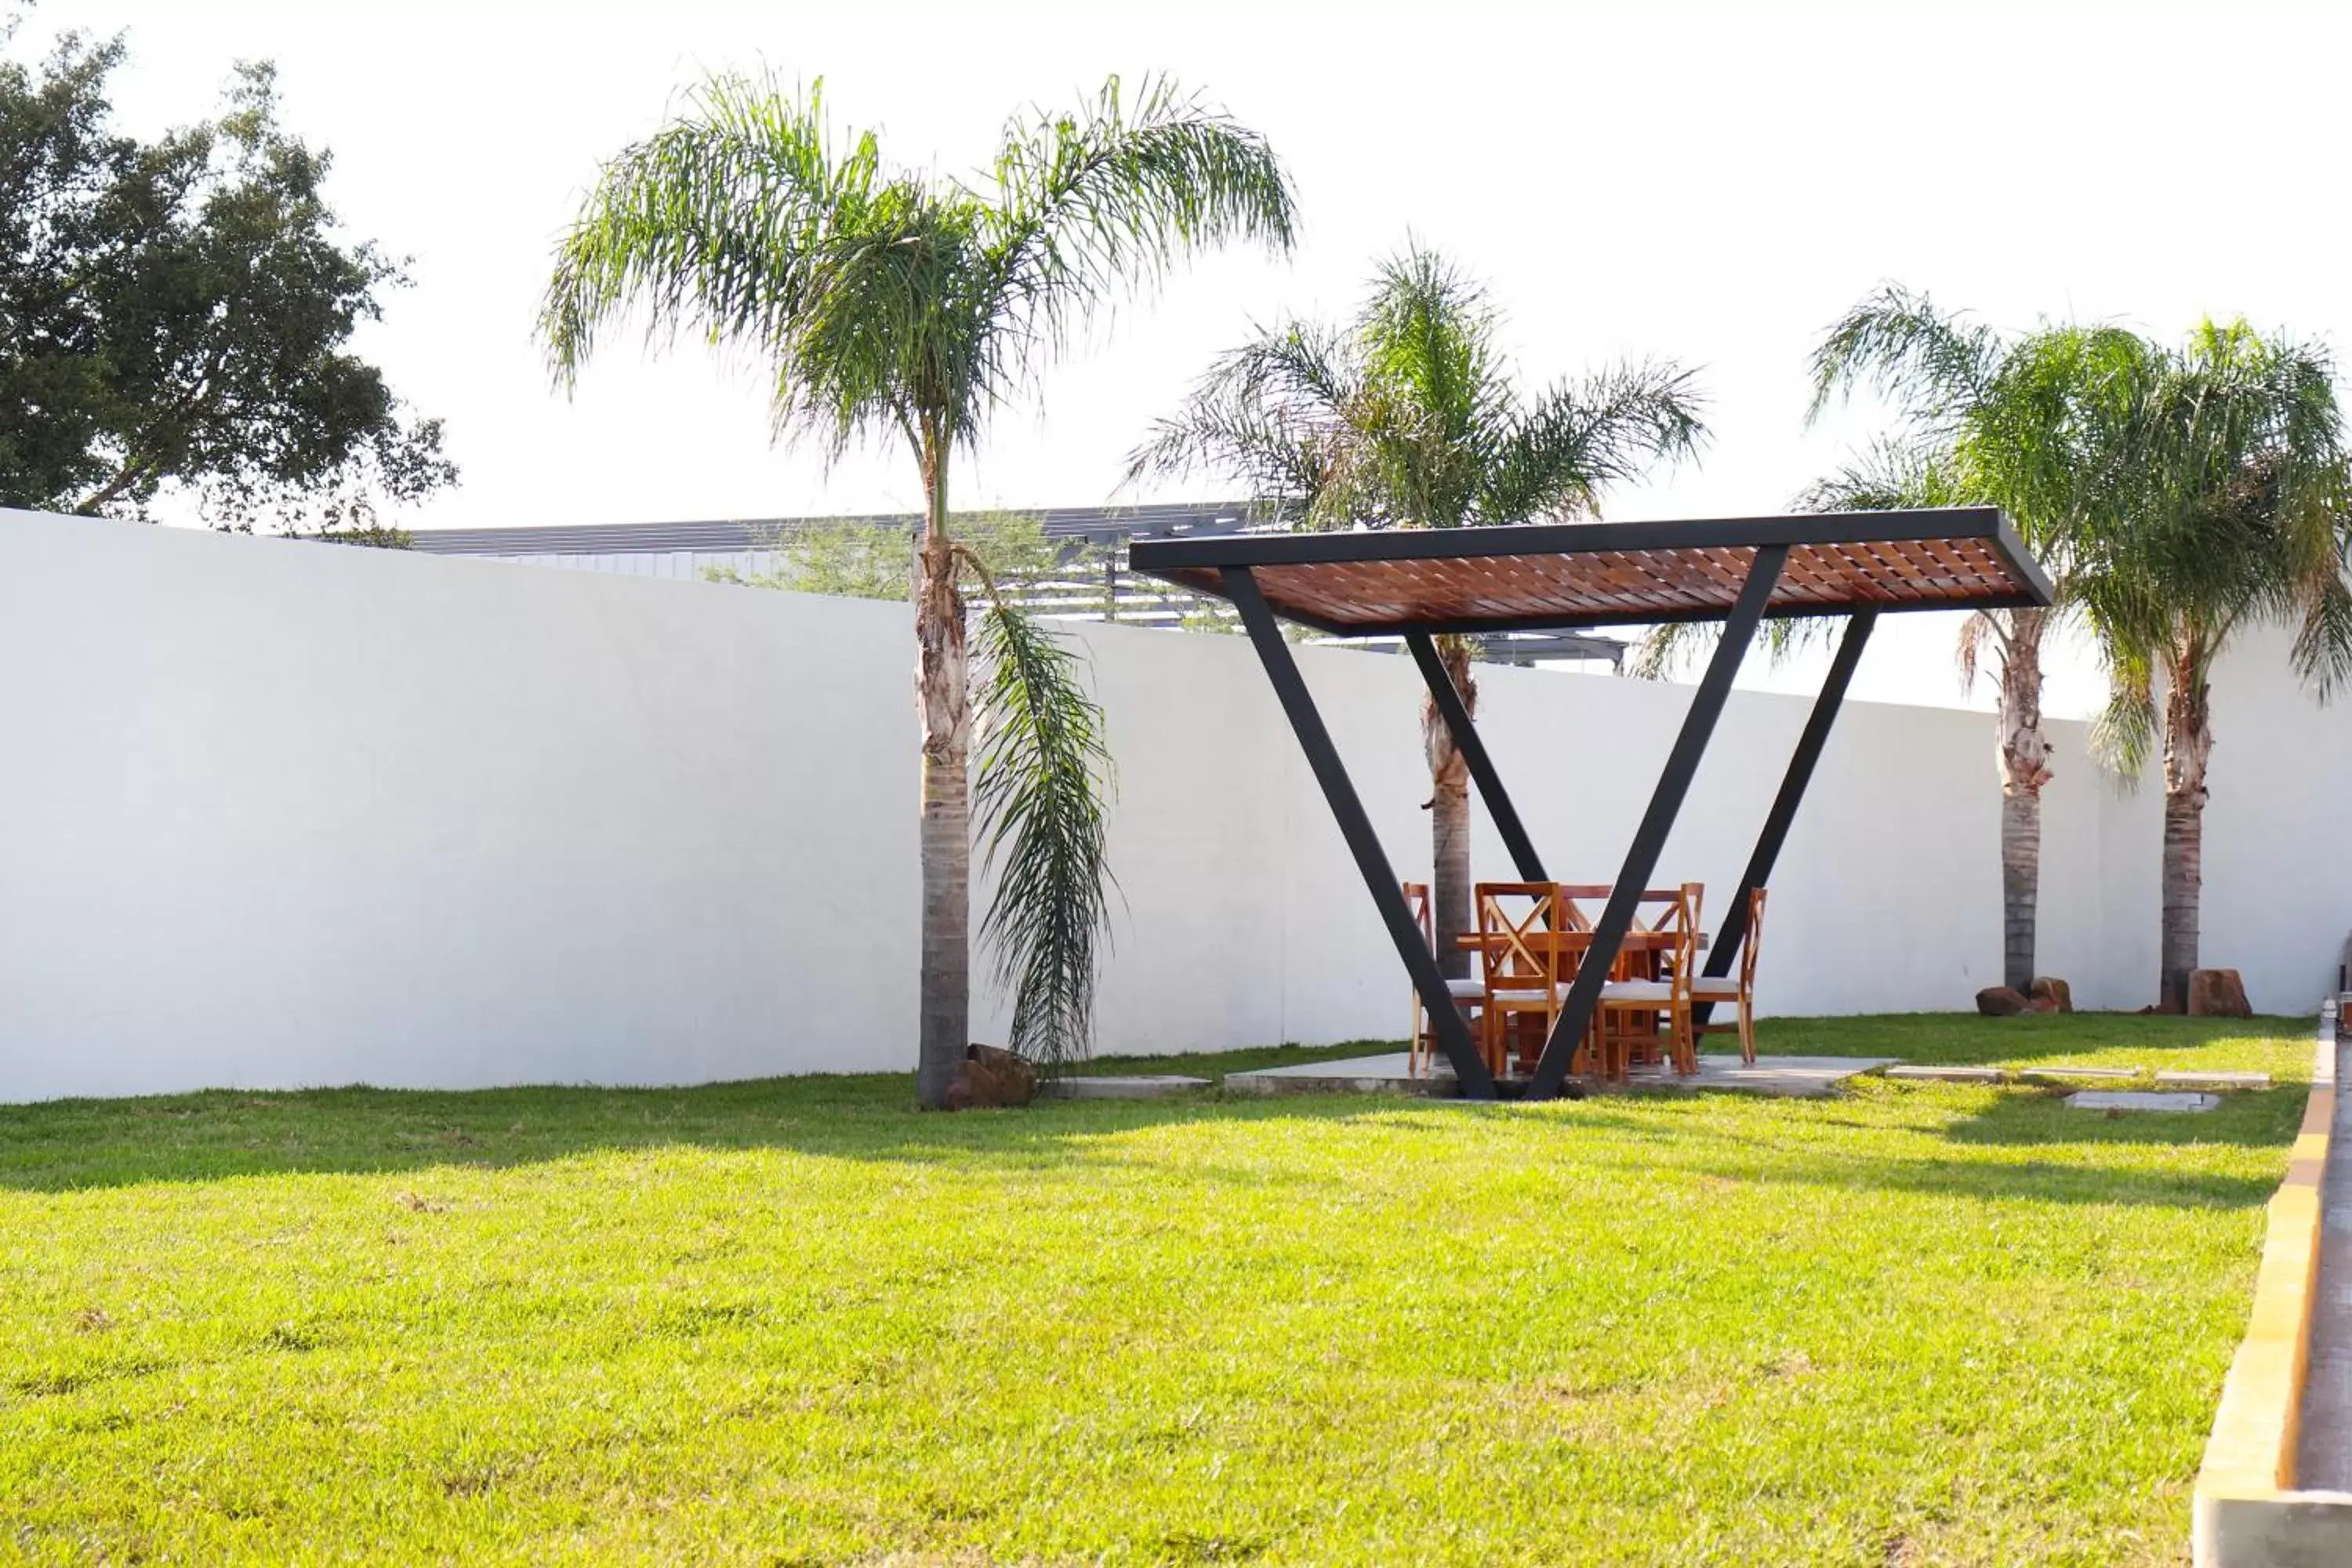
{"x":1527,"y":975}
{"x":1630,"y":1006}
{"x":1737,"y":990}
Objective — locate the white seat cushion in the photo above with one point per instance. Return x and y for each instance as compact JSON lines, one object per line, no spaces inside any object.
{"x":1507,"y":992}
{"x":1657,"y":991}
{"x":1720,"y":988}
{"x":1466,"y":988}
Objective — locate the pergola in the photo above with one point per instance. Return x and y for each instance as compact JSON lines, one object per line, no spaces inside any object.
{"x":1420,"y":584}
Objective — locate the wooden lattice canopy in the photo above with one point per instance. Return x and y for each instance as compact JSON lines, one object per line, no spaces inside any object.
{"x":1579,"y":574}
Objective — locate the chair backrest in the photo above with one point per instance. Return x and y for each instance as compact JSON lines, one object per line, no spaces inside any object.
{"x":1673,"y":913}
{"x":1573,"y":896}
{"x":1416,"y":900}
{"x":1510,"y":915}
{"x":1754,"y":939}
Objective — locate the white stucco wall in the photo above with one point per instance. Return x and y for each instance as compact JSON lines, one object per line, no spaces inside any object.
{"x":277,"y":814}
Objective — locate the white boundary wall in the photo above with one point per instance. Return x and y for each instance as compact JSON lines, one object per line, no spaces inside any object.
{"x":282,"y":813}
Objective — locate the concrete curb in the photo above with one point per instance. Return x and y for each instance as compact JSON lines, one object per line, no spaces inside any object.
{"x":2248,"y":1513}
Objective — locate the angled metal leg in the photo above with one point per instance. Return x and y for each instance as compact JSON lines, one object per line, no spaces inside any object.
{"x":1348,"y":810}
{"x":1734,"y":931}
{"x":1650,"y":838}
{"x":1467,"y":741}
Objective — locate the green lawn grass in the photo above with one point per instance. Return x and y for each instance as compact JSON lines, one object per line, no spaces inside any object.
{"x":793,"y":1321}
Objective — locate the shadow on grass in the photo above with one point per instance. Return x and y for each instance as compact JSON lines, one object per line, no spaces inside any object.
{"x":68,"y":1145}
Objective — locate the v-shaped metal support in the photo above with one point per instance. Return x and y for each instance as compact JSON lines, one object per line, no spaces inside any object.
{"x":1733,"y":933}
{"x":1356,"y":827}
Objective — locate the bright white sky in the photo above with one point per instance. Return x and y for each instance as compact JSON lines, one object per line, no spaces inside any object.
{"x":1711,"y":189}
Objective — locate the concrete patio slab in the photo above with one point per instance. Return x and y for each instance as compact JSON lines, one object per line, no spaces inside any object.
{"x":1142,"y":1085}
{"x":1786,"y":1076}
{"x":2214,"y":1080}
{"x":2139,"y":1099}
{"x":1933,"y":1074}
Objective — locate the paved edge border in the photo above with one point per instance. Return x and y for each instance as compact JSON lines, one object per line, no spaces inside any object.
{"x":2247,"y":1513}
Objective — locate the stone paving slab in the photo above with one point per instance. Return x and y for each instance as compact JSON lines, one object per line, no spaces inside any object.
{"x":2103,"y":1074}
{"x":1389,"y":1073}
{"x":2214,"y":1080}
{"x":1144,"y":1086}
{"x":2139,"y":1099}
{"x":1934,"y":1074}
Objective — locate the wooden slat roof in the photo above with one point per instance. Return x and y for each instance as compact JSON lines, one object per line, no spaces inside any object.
{"x":1604,"y":573}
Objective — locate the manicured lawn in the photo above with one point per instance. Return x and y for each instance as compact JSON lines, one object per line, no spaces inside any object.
{"x":794,"y":1322}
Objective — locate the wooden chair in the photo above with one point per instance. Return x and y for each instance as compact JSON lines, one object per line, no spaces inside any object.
{"x":1525,"y":975}
{"x":1469,"y":995}
{"x":1740,"y":989}
{"x":1628,"y":1008}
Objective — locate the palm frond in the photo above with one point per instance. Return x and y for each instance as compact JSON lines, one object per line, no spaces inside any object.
{"x":1084,"y":205}
{"x":1269,"y":414}
{"x":1040,"y":801}
{"x":1579,"y":439}
{"x":1929,"y":361}
{"x":2124,"y":736}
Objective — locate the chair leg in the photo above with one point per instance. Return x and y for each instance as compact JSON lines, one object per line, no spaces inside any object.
{"x":1747,"y":1029}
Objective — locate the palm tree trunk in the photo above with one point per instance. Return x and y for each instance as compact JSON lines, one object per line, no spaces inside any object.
{"x":1449,"y":812}
{"x":942,"y":695}
{"x":2187,"y":747}
{"x":2024,"y":769}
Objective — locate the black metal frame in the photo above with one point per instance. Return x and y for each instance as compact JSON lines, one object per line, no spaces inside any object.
{"x":1228,"y":565}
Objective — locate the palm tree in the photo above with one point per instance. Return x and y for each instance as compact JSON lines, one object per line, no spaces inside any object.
{"x":2032,"y":425}
{"x":1408,"y":417}
{"x":895,"y":303}
{"x":2238,"y":518}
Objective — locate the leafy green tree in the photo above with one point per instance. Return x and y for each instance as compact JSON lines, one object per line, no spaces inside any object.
{"x":1408,"y":417}
{"x":176,"y":315}
{"x":2035,"y":424}
{"x":2238,"y":517}
{"x":894,"y":303}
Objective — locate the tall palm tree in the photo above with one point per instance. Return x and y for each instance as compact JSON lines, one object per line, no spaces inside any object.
{"x":2239,"y":517}
{"x":1408,"y":417}
{"x":2033,"y":425}
{"x":896,"y":303}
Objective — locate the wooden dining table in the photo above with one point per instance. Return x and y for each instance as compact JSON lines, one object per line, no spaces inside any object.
{"x":1638,"y":953}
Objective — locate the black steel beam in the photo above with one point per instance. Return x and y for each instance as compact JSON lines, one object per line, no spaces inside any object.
{"x":1816,"y":734}
{"x":1467,"y":741}
{"x":1356,"y":827}
{"x":1657,"y":822}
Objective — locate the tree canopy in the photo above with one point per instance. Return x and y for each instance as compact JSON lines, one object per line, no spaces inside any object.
{"x":176,"y":316}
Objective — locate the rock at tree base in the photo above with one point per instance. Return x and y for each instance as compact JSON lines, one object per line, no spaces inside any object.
{"x":2217,"y":994}
{"x":2001,"y":1002}
{"x":2043,"y":1005}
{"x":991,"y":1078}
{"x":2045,"y":988}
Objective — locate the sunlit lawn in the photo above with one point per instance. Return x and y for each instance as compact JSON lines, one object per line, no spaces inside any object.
{"x":793,"y":1321}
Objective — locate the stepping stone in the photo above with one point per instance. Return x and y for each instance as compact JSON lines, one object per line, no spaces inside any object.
{"x":1945,"y":1074}
{"x":2139,"y":1099}
{"x":1148,"y":1086}
{"x":2063,"y":1071}
{"x":2214,"y":1080}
